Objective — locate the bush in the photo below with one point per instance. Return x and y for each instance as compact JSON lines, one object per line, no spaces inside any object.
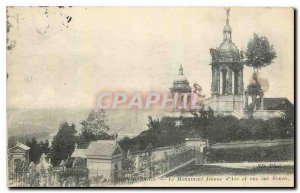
{"x":251,"y":154}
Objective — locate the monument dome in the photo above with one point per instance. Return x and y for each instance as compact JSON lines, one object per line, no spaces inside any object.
{"x":181,"y":84}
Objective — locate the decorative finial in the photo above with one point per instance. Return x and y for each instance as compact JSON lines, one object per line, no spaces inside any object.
{"x":180,"y":70}
{"x":227,"y":9}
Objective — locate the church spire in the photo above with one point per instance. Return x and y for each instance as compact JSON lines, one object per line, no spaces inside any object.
{"x":227,"y":14}
{"x":227,"y":28}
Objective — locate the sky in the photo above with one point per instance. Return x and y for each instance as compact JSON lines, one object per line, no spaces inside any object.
{"x":64,"y":57}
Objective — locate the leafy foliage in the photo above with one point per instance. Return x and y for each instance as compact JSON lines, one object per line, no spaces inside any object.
{"x":36,"y":149}
{"x":95,"y":123}
{"x":216,"y":129}
{"x":94,"y":128}
{"x":259,"y":52}
{"x":63,"y":143}
{"x":21,"y":167}
{"x":254,"y":90}
{"x":282,"y":152}
{"x":127,"y":163}
{"x":160,"y":133}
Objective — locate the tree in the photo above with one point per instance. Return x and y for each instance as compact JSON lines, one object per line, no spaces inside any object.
{"x":153,"y":125}
{"x":125,"y":143}
{"x":44,"y":146}
{"x":95,"y":123}
{"x":255,"y":91}
{"x":63,"y":143}
{"x":203,"y":113}
{"x":259,"y":52}
{"x":35,"y":151}
{"x":94,"y":128}
{"x":127,"y":163}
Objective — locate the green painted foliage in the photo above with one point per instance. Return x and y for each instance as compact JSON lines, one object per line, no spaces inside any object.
{"x":260,"y":52}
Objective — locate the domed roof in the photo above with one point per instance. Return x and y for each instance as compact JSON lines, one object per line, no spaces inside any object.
{"x":228,"y":50}
{"x":181,"y":78}
{"x":181,"y":83}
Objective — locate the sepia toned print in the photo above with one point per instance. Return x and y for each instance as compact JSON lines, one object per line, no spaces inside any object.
{"x":150,"y":97}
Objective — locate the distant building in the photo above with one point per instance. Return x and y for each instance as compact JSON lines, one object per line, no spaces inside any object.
{"x":17,"y":154}
{"x":78,"y":153}
{"x":104,"y":159}
{"x":280,"y":104}
{"x":181,"y":84}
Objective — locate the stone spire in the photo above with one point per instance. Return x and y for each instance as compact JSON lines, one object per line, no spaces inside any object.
{"x":227,"y":28}
{"x":227,"y":14}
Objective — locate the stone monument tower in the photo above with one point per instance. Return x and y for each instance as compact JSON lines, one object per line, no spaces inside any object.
{"x":227,"y":85}
{"x":180,"y":87}
{"x":181,"y":84}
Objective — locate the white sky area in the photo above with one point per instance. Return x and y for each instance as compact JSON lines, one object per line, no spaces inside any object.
{"x":56,"y":64}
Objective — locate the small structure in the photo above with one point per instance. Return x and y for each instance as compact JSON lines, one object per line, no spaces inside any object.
{"x":198,"y":145}
{"x":78,"y":153}
{"x":16,"y":154}
{"x":104,"y":160}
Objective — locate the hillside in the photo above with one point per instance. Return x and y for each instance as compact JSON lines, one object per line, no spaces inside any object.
{"x":43,"y":123}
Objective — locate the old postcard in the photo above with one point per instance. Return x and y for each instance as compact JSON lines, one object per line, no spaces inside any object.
{"x":150,"y":97}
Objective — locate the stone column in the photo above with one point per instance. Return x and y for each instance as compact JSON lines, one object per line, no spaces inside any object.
{"x":213,"y":81}
{"x":218,"y":81}
{"x":240,"y":82}
{"x":236,"y":83}
{"x":224,"y":75}
{"x":229,"y":82}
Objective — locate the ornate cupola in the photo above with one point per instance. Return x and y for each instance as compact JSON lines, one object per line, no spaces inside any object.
{"x":180,"y":84}
{"x":227,"y":65}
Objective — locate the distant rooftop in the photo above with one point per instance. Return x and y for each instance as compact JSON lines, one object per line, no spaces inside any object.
{"x":275,"y":103}
{"x":105,"y":148}
{"x":19,"y":146}
{"x":79,"y":153}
